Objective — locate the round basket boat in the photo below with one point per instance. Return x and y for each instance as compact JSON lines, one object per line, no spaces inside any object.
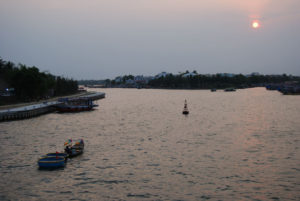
{"x":65,"y":155}
{"x":51,"y":162}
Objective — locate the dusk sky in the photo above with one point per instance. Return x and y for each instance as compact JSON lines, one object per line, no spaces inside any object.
{"x":98,"y":39}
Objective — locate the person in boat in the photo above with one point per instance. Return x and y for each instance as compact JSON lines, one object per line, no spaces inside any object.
{"x":68,"y":150}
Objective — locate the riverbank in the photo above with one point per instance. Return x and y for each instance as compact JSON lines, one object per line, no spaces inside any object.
{"x":6,"y":107}
{"x":28,"y":110}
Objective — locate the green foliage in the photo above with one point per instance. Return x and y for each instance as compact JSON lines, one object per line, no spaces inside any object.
{"x":29,"y":83}
{"x":64,"y":86}
{"x":127,"y":77}
{"x":91,"y":82}
{"x":218,"y":81}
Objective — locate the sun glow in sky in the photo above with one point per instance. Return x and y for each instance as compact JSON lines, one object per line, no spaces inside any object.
{"x":255,"y":24}
{"x":103,"y":39}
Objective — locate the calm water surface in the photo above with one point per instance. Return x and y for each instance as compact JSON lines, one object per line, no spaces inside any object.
{"x":242,"y":145}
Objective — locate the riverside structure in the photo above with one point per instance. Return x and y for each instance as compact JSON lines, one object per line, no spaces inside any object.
{"x":39,"y":109}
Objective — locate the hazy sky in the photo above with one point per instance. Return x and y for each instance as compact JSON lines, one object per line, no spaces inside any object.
{"x":98,"y":39}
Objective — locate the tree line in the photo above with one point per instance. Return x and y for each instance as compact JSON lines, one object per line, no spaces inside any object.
{"x":217,"y":81}
{"x":31,"y":84}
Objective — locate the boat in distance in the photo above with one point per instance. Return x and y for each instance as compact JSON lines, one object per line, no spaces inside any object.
{"x":75,"y":105}
{"x":229,"y":89}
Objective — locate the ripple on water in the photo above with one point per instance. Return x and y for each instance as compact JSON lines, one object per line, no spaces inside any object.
{"x":204,"y":197}
{"x":47,"y":191}
{"x":247,"y":181}
{"x":153,"y":165}
{"x":146,"y":195}
{"x":82,"y":178}
{"x":103,"y":182}
{"x":17,"y":166}
{"x":81,"y":174}
{"x":239,"y":146}
{"x":106,"y":167}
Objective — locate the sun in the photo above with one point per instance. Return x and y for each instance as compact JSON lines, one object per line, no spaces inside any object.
{"x":255,"y":24}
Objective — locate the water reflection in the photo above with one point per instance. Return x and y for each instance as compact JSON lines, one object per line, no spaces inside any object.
{"x":232,"y":146}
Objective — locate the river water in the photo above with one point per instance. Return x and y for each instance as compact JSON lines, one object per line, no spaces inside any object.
{"x":242,"y":145}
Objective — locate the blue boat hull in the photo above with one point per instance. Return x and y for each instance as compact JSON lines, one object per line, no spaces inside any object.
{"x":58,"y":154}
{"x":75,"y":152}
{"x":51,"y":162}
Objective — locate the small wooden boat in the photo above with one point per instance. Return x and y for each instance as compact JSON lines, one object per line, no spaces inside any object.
{"x":78,"y":144}
{"x":185,"y":109}
{"x":229,"y":89}
{"x":51,"y":162}
{"x":65,"y":155}
{"x":74,"y":150}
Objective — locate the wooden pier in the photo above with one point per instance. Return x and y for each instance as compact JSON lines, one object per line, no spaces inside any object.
{"x":27,"y":111}
{"x":39,"y":109}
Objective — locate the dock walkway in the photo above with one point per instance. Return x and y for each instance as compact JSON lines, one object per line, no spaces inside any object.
{"x":33,"y":110}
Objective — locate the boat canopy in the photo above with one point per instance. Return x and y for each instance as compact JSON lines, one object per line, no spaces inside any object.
{"x":68,"y":143}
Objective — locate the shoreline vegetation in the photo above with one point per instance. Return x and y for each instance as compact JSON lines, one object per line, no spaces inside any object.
{"x":194,"y":80}
{"x":20,"y":84}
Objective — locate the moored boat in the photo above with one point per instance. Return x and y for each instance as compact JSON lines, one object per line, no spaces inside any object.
{"x":74,"y":150}
{"x":229,"y":89}
{"x":51,"y":162}
{"x":78,"y":144}
{"x":75,"y":105}
{"x":65,"y":155}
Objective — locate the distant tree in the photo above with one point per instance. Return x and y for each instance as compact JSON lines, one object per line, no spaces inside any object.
{"x":29,"y":83}
{"x":216,"y":81}
{"x":127,"y":77}
{"x":107,"y":82}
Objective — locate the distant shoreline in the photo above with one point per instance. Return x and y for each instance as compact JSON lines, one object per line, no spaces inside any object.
{"x":167,"y":88}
